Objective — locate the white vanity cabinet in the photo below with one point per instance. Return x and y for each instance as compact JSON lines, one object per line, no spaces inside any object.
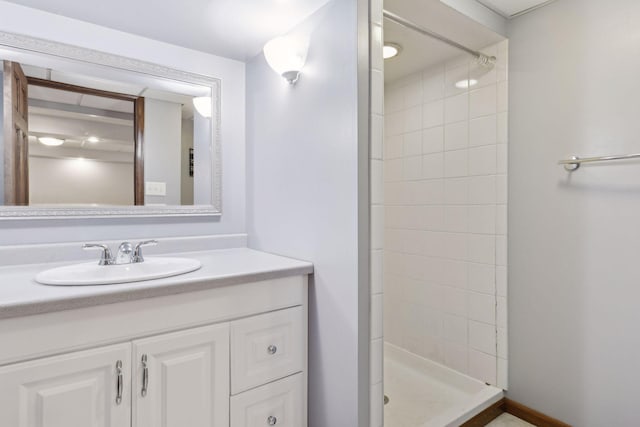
{"x":216,"y":358}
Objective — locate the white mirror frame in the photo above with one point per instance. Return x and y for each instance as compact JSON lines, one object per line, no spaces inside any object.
{"x":46,"y":47}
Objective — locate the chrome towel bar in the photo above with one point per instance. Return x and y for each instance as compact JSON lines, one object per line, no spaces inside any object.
{"x":574,"y":162}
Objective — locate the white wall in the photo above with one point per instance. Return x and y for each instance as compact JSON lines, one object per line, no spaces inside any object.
{"x":162,"y":149}
{"x":79,"y":181}
{"x":574,"y":239}
{"x":445,"y":160}
{"x":45,"y":25}
{"x":303,"y":144}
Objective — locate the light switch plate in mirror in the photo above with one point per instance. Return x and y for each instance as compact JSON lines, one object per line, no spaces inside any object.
{"x":17,"y":44}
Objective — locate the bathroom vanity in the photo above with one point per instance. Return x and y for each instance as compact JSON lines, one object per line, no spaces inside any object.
{"x":225,"y":345}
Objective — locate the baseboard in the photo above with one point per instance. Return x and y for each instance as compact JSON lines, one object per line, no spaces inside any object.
{"x":531,"y":415}
{"x":516,"y":409}
{"x":486,"y":416}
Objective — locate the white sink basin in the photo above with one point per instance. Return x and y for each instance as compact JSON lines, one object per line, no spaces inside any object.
{"x":91,"y":273}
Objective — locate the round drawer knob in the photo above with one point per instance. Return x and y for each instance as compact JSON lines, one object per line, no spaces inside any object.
{"x":272,"y":349}
{"x":272,"y":420}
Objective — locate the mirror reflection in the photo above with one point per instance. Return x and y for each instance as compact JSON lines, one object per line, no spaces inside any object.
{"x":78,"y":139}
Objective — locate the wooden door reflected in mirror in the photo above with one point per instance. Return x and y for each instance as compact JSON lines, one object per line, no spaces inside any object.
{"x":16,"y":135}
{"x":99,"y":159}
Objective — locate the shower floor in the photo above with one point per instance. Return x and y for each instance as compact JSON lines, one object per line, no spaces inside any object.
{"x":426,"y":394}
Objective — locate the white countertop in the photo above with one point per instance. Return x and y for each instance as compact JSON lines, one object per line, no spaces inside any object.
{"x":21,"y":295}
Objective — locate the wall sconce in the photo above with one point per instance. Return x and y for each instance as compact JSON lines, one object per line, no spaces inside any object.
{"x":203,"y":105}
{"x":286,"y":56}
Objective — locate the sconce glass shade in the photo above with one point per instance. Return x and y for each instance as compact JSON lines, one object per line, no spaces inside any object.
{"x":286,"y":56}
{"x":203,"y":105}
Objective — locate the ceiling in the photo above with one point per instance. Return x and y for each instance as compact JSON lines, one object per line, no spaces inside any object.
{"x":235,"y":29}
{"x":510,"y":8}
{"x":420,"y":51}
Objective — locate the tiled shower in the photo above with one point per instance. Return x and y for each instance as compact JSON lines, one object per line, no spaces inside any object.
{"x":445,"y":214}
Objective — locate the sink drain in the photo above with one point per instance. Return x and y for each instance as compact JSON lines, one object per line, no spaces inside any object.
{"x":386,"y":399}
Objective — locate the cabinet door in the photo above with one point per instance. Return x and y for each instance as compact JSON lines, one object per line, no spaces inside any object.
{"x":182,"y":379}
{"x":82,"y":389}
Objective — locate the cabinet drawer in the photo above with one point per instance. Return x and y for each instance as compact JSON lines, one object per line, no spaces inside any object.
{"x":277,"y":404}
{"x":266,"y":347}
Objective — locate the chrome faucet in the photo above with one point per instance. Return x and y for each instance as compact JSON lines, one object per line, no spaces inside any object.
{"x":124,"y":254}
{"x":127,"y":253}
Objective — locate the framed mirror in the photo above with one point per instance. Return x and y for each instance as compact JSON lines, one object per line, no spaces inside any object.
{"x":90,"y":134}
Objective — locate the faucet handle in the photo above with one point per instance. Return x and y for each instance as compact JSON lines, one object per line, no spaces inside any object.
{"x":137,"y":251}
{"x":106,"y":258}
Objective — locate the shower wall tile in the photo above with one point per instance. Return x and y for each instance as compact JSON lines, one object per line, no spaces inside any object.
{"x":432,"y":114}
{"x":456,"y":163}
{"x":413,"y":92}
{"x":413,"y":119}
{"x":502,"y":134}
{"x":456,"y":191}
{"x":376,"y":366}
{"x":482,"y":190}
{"x":482,"y":337}
{"x":432,"y":140}
{"x":377,"y":182}
{"x":501,"y":281}
{"x":394,"y":147}
{"x":392,"y":125}
{"x":453,"y":75}
{"x":482,"y":219}
{"x":456,"y":136}
{"x":456,"y":108}
{"x":376,"y":272}
{"x":502,"y":343}
{"x":503,"y":97}
{"x":456,"y":356}
{"x":445,"y":198}
{"x":483,"y":366}
{"x":483,"y":131}
{"x":482,"y":308}
{"x":483,"y":102}
{"x":377,"y":137}
{"x":377,"y":92}
{"x":482,"y":278}
{"x":482,"y":160}
{"x":482,"y":249}
{"x":503,"y":373}
{"x":433,"y":84}
{"x":376,"y":408}
{"x":455,"y":329}
{"x":488,"y":79}
{"x":412,"y":144}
